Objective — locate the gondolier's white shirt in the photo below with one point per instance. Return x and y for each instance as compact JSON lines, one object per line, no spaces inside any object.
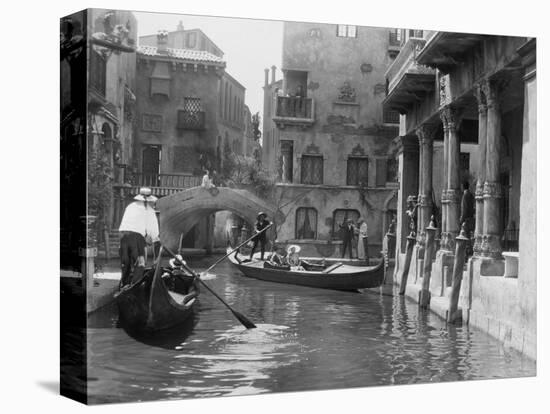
{"x":140,"y":219}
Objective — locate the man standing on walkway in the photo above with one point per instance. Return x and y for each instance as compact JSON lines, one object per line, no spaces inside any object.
{"x":261,"y":224}
{"x":348,"y":233}
{"x":139,"y":226}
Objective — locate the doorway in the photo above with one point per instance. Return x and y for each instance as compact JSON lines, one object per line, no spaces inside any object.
{"x":150,"y":166}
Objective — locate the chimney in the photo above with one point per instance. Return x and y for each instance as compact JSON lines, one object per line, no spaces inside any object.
{"x":162,"y":41}
{"x":273,"y":68}
{"x":180,"y":26}
{"x":266,"y":76}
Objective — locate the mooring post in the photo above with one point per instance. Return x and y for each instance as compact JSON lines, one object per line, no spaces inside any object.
{"x":425,"y":294}
{"x":411,"y":239}
{"x":455,"y":315}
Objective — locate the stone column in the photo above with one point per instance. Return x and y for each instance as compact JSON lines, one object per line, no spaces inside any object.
{"x":482,"y":142}
{"x":492,"y":193}
{"x":425,"y":135}
{"x":408,"y":185}
{"x":452,"y":121}
{"x":443,"y":225}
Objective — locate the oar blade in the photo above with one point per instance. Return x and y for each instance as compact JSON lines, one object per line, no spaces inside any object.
{"x":247,"y":323}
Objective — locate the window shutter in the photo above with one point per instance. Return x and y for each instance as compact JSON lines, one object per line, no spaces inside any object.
{"x":380,"y":172}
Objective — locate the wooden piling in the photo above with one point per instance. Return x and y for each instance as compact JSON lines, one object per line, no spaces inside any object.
{"x":454,"y":315}
{"x":425,"y":294}
{"x":411,"y":239}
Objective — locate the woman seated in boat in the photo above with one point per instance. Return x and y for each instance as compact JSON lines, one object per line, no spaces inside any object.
{"x":277,"y":259}
{"x":293,"y":258}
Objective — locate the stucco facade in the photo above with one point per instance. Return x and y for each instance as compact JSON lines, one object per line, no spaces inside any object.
{"x":325,"y":135}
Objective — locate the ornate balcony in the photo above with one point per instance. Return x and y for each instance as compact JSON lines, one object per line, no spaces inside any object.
{"x":292,"y":110}
{"x":193,"y":120}
{"x":407,"y":80}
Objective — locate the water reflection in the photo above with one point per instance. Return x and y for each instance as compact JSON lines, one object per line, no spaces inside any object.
{"x":306,"y":339}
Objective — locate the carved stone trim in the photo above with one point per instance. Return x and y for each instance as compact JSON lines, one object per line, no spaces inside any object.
{"x":312,"y":149}
{"x":451,"y":117}
{"x":454,"y":196}
{"x":481,"y":98}
{"x":426,"y":133}
{"x":358,"y":150}
{"x":492,"y":189}
{"x":479,"y":191}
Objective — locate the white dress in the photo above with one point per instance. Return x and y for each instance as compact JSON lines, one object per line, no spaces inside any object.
{"x":363,"y":234}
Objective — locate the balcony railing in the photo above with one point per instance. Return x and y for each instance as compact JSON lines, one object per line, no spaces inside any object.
{"x":194,"y":120}
{"x":293,"y":110}
{"x":171,"y":181}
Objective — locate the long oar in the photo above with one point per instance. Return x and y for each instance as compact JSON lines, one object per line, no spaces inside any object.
{"x":242,"y":319}
{"x":237,"y":248}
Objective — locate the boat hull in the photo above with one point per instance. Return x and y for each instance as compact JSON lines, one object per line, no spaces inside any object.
{"x":149,"y":306}
{"x":344,"y":278}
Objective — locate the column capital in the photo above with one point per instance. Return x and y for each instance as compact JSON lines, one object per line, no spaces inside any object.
{"x":451,"y":117}
{"x":492,"y":189}
{"x":453,"y":195}
{"x":479,"y":191}
{"x":480,"y":98}
{"x":492,"y":89}
{"x":426,"y":133}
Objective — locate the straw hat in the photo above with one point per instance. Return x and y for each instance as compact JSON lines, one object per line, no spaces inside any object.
{"x":145,"y":195}
{"x":261,"y":213}
{"x":295,"y":247}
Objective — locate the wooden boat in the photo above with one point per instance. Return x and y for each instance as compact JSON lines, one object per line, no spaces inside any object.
{"x":337,"y":276}
{"x":158,"y":302}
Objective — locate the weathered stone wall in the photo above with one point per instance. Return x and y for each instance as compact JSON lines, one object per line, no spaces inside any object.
{"x":183,"y":84}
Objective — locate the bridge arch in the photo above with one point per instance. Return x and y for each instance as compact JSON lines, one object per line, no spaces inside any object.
{"x":179,"y":212}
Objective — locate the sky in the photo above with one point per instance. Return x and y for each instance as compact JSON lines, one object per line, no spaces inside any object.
{"x":249,"y":46}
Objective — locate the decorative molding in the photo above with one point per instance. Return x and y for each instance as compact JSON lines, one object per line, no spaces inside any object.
{"x":444,"y":90}
{"x":426,"y":133}
{"x":479,"y":191}
{"x":492,"y":189}
{"x":312,"y":149}
{"x":480,"y":98}
{"x":346,"y":93}
{"x":151,"y":123}
{"x":451,"y":117}
{"x":454,"y":195}
{"x":490,"y":246}
{"x":424,"y":200}
{"x":358,"y":150}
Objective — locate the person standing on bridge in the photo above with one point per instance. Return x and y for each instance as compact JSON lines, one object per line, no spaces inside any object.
{"x":261,"y":224}
{"x":139,"y":226}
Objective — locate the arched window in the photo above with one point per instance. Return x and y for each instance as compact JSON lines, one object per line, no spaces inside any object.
{"x":306,"y":223}
{"x":339,"y":218}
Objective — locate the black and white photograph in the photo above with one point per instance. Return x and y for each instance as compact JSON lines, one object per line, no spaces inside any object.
{"x":362,"y":217}
{"x":263,"y":205}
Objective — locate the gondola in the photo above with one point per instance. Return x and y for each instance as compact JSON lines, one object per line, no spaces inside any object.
{"x":337,"y":276}
{"x":157,"y":301}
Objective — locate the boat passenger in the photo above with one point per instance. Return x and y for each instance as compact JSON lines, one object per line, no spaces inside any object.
{"x":278,"y":257}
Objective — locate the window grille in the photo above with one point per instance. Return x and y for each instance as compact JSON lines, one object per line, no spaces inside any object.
{"x":358,"y":170}
{"x":312,"y":169}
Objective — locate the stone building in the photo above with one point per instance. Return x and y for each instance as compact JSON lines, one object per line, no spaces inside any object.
{"x":189,"y":110}
{"x":453,"y":89}
{"x":327,"y":137}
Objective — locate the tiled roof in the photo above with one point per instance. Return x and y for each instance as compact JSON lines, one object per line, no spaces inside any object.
{"x":183,"y":54}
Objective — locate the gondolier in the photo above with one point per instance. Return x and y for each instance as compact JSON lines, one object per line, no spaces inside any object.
{"x":139,"y":226}
{"x":261,"y":224}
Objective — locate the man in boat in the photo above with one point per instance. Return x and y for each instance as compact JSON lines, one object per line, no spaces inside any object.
{"x":139,"y":226}
{"x":278,"y":258}
{"x":261,"y":224}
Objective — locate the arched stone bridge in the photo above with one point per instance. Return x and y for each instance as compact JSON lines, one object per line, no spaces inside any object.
{"x":179,"y":212}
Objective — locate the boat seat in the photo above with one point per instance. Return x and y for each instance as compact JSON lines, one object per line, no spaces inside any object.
{"x":333,"y":267}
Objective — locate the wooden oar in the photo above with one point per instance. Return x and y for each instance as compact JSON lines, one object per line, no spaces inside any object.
{"x":242,"y":319}
{"x":237,"y":248}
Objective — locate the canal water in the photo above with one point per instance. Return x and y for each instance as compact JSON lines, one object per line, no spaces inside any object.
{"x":307,"y":339}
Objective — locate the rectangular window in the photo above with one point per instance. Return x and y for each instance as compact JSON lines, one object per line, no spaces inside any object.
{"x":344,"y":30}
{"x":306,"y":223}
{"x":358,"y":170}
{"x":392,"y":168}
{"x":287,"y":155}
{"x":312,"y":169}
